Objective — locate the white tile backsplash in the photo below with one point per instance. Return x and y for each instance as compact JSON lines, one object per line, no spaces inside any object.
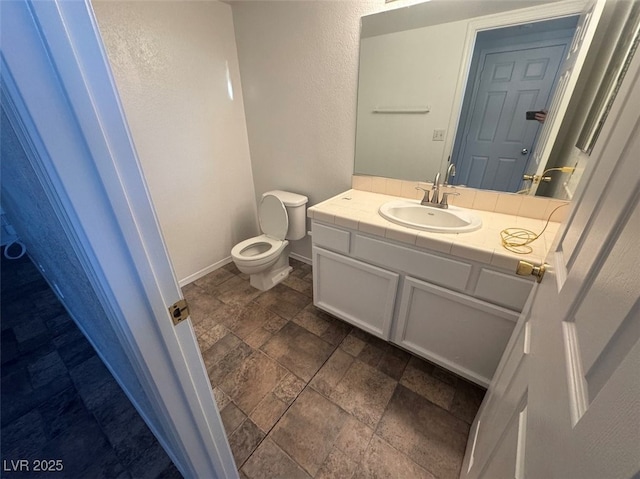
{"x":506,"y":203}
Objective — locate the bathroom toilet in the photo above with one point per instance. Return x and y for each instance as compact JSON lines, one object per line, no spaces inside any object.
{"x":265,"y":258}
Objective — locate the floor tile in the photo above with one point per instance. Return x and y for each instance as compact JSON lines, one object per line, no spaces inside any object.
{"x":268,"y":411}
{"x":202,"y":304}
{"x":89,"y":375}
{"x":332,"y":372}
{"x":383,"y":461}
{"x":337,"y":465}
{"x":252,"y":380}
{"x":225,"y":354}
{"x":244,"y":440}
{"x":297,"y":283}
{"x":9,"y":348}
{"x":467,"y":400}
{"x":354,"y":438}
{"x":283,"y":301}
{"x":23,"y":438}
{"x":251,"y":317}
{"x":258,"y":337}
{"x":417,"y":377}
{"x":213,"y":279}
{"x":364,"y":392}
{"x":429,"y":435}
{"x":84,"y":450}
{"x":271,"y":462}
{"x":308,"y":430}
{"x":289,"y":388}
{"x":393,"y":363}
{"x":75,"y":352}
{"x":208,"y":333}
{"x":151,"y":463}
{"x":232,"y":417}
{"x":232,"y":268}
{"x":300,"y":351}
{"x":62,"y":411}
{"x":235,"y":291}
{"x":46,"y":369}
{"x":229,"y":363}
{"x":353,"y":345}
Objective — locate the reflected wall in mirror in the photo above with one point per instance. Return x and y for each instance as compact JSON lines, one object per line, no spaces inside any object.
{"x":420,"y":100}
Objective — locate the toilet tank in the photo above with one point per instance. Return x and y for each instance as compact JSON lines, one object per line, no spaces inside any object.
{"x":296,"y":212}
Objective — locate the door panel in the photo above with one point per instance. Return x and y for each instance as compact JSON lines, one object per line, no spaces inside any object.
{"x":581,"y":374}
{"x":357,"y":292}
{"x":510,"y":83}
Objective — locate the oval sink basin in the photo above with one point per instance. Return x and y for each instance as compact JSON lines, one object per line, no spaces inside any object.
{"x":427,"y":218}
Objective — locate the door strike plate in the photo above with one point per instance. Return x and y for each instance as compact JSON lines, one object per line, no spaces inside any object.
{"x":179,"y":311}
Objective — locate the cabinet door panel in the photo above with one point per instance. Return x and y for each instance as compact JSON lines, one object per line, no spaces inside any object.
{"x":461,"y":333}
{"x":361,"y":294}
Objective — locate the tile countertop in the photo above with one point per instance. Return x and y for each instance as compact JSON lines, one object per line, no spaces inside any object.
{"x":358,"y":210}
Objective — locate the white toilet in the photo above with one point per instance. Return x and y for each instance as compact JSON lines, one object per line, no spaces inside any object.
{"x":265,"y":258}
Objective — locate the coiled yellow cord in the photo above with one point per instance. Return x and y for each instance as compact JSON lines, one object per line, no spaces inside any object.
{"x":517,"y":240}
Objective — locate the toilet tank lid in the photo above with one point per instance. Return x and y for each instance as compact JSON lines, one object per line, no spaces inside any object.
{"x":288,"y":198}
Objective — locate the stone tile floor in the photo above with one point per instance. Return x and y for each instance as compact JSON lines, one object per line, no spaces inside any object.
{"x":50,"y":408}
{"x":303,"y":394}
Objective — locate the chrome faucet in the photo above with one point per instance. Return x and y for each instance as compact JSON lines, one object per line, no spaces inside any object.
{"x":435,"y":197}
{"x":436,"y":201}
{"x":451,"y":172}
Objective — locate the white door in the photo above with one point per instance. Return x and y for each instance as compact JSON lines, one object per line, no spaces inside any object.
{"x":568,"y":77}
{"x":56,"y":81}
{"x":565,"y":401}
{"x":513,"y":81}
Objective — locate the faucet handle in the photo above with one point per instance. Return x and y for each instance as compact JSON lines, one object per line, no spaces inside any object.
{"x":444,"y":202}
{"x":425,"y":199}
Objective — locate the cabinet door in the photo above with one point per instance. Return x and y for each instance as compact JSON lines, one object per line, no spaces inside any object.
{"x":359,"y":293}
{"x":461,"y":333}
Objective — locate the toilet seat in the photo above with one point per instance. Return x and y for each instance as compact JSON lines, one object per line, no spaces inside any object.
{"x":265,"y":248}
{"x":258,"y":250}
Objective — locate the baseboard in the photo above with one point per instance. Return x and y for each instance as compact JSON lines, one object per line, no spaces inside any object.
{"x":205,"y":271}
{"x":304,"y":259}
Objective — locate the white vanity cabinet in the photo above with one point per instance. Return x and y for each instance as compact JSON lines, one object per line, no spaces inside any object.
{"x":454,"y":312}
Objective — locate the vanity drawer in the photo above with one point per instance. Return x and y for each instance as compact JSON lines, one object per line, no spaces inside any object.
{"x":330,"y":237}
{"x":435,"y":269}
{"x":506,"y":290}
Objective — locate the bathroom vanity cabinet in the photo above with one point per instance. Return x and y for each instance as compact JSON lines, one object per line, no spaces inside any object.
{"x":454,"y":312}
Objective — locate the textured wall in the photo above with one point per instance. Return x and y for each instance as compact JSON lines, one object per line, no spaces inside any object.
{"x":29,"y":211}
{"x":299,"y":67}
{"x":176,"y":68}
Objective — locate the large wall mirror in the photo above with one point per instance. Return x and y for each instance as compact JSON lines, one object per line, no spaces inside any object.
{"x":450,"y":82}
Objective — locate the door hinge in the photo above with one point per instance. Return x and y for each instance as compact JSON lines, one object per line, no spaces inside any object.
{"x":179,"y":311}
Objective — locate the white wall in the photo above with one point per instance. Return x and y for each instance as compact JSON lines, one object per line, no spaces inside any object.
{"x":299,"y":67}
{"x":175,"y":65}
{"x":407,"y":69}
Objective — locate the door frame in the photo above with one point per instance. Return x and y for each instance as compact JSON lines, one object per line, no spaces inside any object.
{"x":58,"y":88}
{"x":491,"y":22}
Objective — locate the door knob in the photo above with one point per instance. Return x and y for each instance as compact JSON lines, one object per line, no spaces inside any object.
{"x":525,"y":269}
{"x":524,"y":151}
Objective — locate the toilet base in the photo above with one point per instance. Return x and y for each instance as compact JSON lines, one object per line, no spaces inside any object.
{"x":275,"y":274}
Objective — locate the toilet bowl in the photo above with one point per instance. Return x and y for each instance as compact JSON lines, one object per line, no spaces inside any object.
{"x":265,"y":258}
